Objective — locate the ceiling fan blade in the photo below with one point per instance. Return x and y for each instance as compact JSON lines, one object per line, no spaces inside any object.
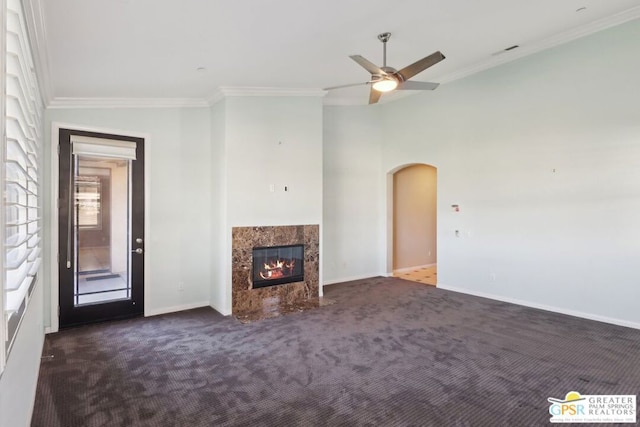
{"x":343,"y":86}
{"x":368,"y":65}
{"x":411,"y":85}
{"x":374,"y":96}
{"x":421,"y":65}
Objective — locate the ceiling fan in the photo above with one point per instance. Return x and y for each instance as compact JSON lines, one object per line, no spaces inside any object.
{"x":385,"y":79}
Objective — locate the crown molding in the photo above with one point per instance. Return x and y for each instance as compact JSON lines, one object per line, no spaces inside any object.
{"x":34,"y":17}
{"x":61,"y":103}
{"x":227,"y":91}
{"x":215,"y":97}
{"x":549,"y":42}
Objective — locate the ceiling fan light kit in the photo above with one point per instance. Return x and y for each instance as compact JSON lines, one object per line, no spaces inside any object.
{"x":386,"y":79}
{"x":385,"y":85}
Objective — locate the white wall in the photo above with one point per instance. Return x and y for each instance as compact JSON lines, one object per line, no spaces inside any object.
{"x":20,"y":376}
{"x":274,"y":140}
{"x":263,"y":142}
{"x":220,"y":275}
{"x":543,"y":157}
{"x":352,"y":181}
{"x":180,"y":204}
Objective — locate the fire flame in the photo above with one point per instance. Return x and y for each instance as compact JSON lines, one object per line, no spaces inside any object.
{"x":277,"y":269}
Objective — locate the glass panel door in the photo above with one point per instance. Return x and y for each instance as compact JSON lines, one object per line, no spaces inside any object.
{"x":101,"y":231}
{"x":101,"y":227}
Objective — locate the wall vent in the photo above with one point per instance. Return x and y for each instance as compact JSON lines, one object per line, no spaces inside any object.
{"x":500,"y":52}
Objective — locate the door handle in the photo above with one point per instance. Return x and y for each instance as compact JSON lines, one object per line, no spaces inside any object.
{"x":138,"y":251}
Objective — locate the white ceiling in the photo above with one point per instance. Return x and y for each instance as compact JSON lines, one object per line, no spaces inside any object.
{"x":153,"y":48}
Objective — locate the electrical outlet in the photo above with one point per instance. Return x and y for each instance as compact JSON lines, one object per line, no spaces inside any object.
{"x":181,"y":286}
{"x":492,"y":276}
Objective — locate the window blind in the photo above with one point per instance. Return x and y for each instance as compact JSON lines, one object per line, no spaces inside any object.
{"x":98,"y":147}
{"x":22,"y":152}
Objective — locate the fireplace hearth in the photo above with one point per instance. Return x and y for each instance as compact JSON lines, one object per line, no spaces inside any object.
{"x":298,"y":261}
{"x":277,"y":265}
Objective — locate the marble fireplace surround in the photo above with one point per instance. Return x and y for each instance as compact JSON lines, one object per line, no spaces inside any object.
{"x":252,"y":304}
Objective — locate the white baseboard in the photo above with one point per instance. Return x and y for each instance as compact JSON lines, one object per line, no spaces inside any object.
{"x":417,"y":267}
{"x":583,"y":315}
{"x":173,"y":309}
{"x":352,"y":278}
{"x":223,"y":312}
{"x":48,"y":330}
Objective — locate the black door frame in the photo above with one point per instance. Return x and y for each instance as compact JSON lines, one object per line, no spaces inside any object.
{"x":70,"y":315}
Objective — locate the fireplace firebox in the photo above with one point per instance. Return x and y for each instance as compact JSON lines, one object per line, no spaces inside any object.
{"x":276,"y":265}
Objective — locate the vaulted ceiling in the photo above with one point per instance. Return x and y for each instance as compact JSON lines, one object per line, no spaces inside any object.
{"x":188,"y":49}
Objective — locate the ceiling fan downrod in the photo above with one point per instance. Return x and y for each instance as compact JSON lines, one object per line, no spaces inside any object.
{"x":384,"y":38}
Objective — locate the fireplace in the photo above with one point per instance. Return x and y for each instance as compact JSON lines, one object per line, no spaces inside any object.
{"x":276,"y":265}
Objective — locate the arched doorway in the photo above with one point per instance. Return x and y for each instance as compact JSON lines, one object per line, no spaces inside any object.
{"x":414,"y":223}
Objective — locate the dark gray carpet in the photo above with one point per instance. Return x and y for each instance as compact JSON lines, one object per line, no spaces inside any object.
{"x":387,"y":353}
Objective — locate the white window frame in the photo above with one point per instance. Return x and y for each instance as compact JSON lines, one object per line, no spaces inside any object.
{"x":27,"y":113}
{"x":3,"y":54}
